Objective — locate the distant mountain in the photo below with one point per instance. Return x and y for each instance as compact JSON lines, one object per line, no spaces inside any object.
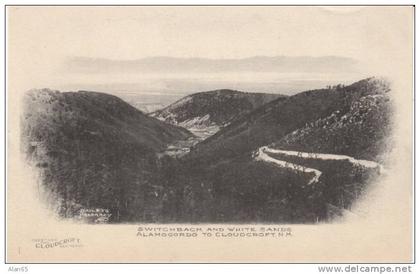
{"x":204,"y":113}
{"x":288,"y":64}
{"x":94,"y":149}
{"x":276,"y":119}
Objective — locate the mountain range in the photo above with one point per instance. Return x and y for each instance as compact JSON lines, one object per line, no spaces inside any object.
{"x":285,"y":115}
{"x":289,"y":64}
{"x":246,"y":157}
{"x":340,"y":121}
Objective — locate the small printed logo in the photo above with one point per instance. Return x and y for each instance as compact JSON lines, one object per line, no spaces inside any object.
{"x":94,"y":215}
{"x":57,"y":243}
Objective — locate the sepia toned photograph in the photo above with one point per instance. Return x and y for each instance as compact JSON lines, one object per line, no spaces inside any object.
{"x":209,"y":128}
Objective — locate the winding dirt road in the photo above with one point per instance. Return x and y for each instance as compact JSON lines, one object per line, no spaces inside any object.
{"x":261,"y":155}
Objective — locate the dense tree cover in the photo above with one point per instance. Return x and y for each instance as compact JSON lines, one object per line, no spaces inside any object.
{"x":95,"y":151}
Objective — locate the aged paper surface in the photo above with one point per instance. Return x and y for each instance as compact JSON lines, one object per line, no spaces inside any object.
{"x":76,"y":194}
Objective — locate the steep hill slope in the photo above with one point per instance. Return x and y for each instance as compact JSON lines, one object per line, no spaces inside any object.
{"x":281,"y":117}
{"x":204,"y":113}
{"x":299,"y":159}
{"x":94,"y":150}
{"x":362,"y":131}
{"x":324,"y":148}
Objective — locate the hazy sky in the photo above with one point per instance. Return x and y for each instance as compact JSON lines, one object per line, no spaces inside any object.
{"x":43,"y":39}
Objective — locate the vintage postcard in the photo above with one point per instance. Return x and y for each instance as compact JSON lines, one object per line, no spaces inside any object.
{"x":279,"y":134}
